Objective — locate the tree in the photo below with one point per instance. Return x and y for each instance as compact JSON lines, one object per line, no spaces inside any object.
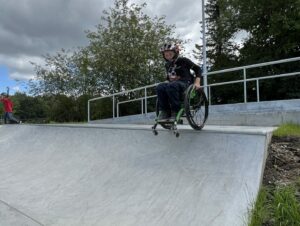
{"x":29,"y":108}
{"x":222,"y":50}
{"x":273,"y":29}
{"x":124,"y":49}
{"x":221,"y":47}
{"x":123,"y":53}
{"x":57,"y":76}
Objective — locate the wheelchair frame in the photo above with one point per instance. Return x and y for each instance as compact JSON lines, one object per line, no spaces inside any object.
{"x":191,"y":106}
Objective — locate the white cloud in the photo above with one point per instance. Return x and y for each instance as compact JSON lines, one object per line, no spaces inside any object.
{"x":32,"y":28}
{"x":16,"y":88}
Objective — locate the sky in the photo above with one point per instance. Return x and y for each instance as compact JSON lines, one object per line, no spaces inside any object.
{"x":30,"y":29}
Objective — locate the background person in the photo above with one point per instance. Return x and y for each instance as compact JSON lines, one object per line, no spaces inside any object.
{"x":8,"y":109}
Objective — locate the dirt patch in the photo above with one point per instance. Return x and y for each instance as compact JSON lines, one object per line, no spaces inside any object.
{"x":283,"y":161}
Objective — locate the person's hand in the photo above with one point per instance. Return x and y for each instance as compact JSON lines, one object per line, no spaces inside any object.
{"x":197,"y":86}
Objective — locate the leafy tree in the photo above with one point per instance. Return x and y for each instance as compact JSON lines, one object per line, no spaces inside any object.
{"x":221,"y":29}
{"x":29,"y":108}
{"x":221,"y":48}
{"x":122,"y":54}
{"x":125,"y":47}
{"x":56,"y":77}
{"x":273,"y":28}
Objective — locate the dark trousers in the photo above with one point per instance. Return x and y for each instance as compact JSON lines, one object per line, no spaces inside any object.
{"x":169,"y":95}
{"x":9,"y":118}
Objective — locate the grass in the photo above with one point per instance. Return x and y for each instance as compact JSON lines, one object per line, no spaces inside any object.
{"x":286,"y":207}
{"x":278,"y":205}
{"x":288,"y":129}
{"x":260,"y":211}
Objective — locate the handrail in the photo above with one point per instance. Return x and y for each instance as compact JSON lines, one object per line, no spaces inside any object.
{"x":124,"y":92}
{"x":244,"y":80}
{"x":254,"y":65}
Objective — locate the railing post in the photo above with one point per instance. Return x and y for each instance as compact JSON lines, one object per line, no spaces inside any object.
{"x":142,"y":104}
{"x":146,"y":110}
{"x":113,"y":106}
{"x":118,"y":114}
{"x":257,"y":90}
{"x":209,"y":95}
{"x":88,"y":111}
{"x":245,"y":86}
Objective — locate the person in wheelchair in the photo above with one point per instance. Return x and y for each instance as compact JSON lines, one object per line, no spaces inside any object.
{"x":178,"y":78}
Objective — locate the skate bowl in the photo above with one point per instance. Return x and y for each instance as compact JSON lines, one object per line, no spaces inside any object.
{"x":123,"y":175}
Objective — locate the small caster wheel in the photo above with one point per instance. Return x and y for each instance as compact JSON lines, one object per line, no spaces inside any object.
{"x":155,"y":132}
{"x":177,"y":134}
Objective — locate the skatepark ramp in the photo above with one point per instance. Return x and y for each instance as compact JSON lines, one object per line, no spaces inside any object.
{"x":123,"y":175}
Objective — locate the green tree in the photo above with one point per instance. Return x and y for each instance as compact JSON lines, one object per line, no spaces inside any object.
{"x":125,"y":47}
{"x":29,"y":108}
{"x":123,"y":53}
{"x":273,"y":28}
{"x":221,"y":49}
{"x":57,"y":76}
{"x":221,"y":29}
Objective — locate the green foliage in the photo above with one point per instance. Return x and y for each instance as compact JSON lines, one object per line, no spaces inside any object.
{"x":273,"y":29}
{"x":101,"y":109}
{"x":261,"y":210}
{"x":123,"y":53}
{"x":277,"y":206}
{"x":56,"y":77}
{"x":286,"y":207}
{"x":29,"y":108}
{"x":46,"y":108}
{"x":220,"y":30}
{"x":125,"y":48}
{"x":288,"y":129}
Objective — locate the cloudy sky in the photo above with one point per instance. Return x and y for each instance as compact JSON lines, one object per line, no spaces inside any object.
{"x":30,"y":29}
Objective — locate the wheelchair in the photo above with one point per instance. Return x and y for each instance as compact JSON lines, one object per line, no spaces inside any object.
{"x":194,"y":109}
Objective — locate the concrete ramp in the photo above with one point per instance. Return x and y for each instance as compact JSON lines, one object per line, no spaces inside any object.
{"x":121,"y":175}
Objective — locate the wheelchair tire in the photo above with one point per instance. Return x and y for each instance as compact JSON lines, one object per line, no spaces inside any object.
{"x":196,"y":107}
{"x":165,"y":126}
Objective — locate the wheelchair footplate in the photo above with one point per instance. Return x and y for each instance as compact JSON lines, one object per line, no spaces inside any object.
{"x":167,"y":124}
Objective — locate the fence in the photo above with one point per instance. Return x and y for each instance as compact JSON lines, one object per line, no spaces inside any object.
{"x":144,"y":99}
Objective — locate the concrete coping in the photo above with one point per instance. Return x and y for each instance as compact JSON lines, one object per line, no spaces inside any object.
{"x":250,"y":130}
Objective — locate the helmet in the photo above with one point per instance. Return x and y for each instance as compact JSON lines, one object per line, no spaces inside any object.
{"x":170,"y":47}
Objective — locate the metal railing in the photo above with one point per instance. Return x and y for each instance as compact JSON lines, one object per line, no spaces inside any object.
{"x":144,"y":99}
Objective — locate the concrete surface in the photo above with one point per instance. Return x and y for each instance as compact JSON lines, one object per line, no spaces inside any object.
{"x":123,"y":175}
{"x":264,"y":113}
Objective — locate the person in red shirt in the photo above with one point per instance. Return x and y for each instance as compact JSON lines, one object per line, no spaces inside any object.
{"x":8,"y":109}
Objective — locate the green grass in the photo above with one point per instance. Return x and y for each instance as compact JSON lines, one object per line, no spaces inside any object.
{"x":278,"y":206}
{"x":260,"y":210}
{"x":288,"y":129}
{"x":286,"y":207}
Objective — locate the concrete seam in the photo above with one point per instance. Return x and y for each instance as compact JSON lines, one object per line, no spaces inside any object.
{"x":20,"y":212}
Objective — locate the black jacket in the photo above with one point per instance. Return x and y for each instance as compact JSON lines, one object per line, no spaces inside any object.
{"x":181,"y":67}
